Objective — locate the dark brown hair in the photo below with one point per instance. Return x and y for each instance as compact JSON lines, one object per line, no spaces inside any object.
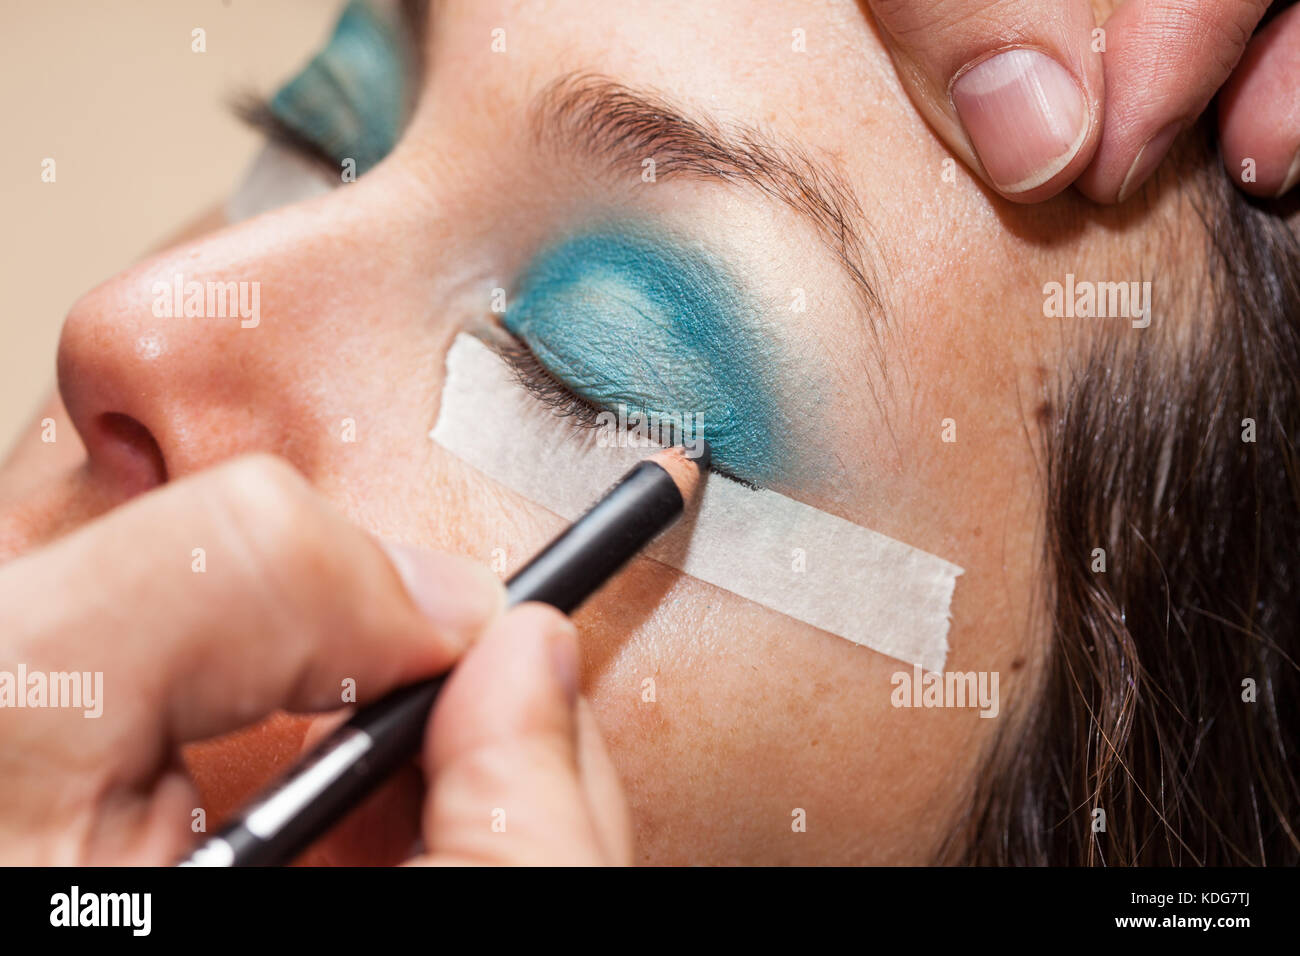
{"x":1169,"y":698}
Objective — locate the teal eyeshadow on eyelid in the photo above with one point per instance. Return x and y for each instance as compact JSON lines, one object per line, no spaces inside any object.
{"x":635,"y":318}
{"x":350,"y":100}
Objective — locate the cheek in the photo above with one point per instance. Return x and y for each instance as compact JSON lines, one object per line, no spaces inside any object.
{"x":743,"y":736}
{"x":229,"y":769}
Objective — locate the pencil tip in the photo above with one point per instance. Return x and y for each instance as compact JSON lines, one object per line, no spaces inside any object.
{"x":703,"y":456}
{"x":687,"y":470}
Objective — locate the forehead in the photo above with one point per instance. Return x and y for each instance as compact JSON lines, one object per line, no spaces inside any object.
{"x":817,"y":71}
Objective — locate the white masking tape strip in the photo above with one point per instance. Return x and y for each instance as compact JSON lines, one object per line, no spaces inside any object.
{"x":856,"y":583}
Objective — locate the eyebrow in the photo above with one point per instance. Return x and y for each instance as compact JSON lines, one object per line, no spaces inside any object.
{"x":624,"y":126}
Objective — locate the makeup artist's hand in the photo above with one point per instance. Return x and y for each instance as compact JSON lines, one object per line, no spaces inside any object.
{"x":291,"y":599}
{"x":1033,"y":96}
{"x":520,"y":772}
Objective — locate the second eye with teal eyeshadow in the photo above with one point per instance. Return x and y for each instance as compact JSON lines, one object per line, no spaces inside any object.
{"x":633,"y":317}
{"x":351,"y":100}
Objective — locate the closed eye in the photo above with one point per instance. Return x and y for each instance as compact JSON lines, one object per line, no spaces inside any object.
{"x":537,"y":379}
{"x":350,"y":103}
{"x":632,"y":320}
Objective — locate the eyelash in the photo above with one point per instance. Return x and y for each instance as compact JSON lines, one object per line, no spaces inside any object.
{"x":538,"y":381}
{"x":255,"y":112}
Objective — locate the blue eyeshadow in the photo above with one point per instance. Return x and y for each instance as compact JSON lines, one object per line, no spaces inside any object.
{"x":632,"y":317}
{"x":351,"y":99}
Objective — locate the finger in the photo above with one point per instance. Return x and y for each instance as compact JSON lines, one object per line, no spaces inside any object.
{"x":1164,"y":60}
{"x":1259,"y":111}
{"x":502,"y":752}
{"x":603,"y":789}
{"x":221,"y":598}
{"x":1012,"y":86}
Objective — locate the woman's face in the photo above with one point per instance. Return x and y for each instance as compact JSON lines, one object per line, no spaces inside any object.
{"x":796,"y":166}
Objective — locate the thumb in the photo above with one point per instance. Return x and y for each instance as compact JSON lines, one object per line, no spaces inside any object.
{"x":1013,"y":86}
{"x":502,"y":753}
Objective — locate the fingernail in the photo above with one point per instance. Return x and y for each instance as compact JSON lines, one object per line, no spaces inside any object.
{"x":456,"y":594}
{"x":1025,"y":116}
{"x":1292,"y":177}
{"x":1147,"y":159}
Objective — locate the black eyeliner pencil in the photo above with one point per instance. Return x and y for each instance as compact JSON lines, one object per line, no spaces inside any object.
{"x":348,"y":765}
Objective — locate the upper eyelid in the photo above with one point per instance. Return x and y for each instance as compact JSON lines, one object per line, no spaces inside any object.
{"x":621,"y":125}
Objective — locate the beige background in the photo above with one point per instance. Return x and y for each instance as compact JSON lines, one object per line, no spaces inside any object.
{"x":142,"y":139}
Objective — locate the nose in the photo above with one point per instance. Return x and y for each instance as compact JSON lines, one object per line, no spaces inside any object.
{"x":103,"y":381}
{"x":212,"y":349}
{"x":155,"y":370}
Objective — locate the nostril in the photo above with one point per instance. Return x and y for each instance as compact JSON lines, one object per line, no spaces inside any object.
{"x":129,"y":452}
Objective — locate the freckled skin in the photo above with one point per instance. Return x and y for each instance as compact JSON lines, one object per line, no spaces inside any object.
{"x":363,"y":290}
{"x":631,"y":318}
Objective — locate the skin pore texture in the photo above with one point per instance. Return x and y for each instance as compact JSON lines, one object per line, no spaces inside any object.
{"x":750,"y":721}
{"x":631,"y":318}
